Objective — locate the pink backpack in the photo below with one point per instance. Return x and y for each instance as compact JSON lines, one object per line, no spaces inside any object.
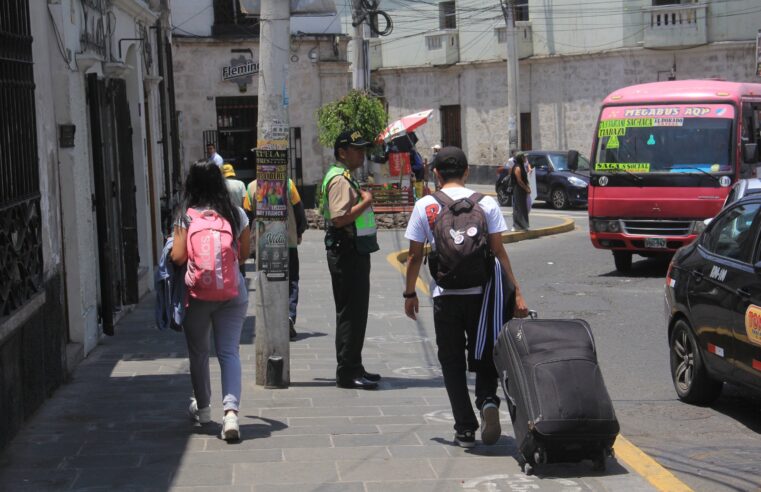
{"x":212,"y":257}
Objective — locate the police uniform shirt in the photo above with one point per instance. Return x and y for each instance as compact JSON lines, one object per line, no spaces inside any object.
{"x":341,"y":197}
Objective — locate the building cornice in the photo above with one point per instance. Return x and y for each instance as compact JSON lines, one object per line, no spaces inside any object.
{"x":138,"y":9}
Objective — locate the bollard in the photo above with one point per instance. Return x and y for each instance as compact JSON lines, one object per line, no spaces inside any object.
{"x":274,"y":376}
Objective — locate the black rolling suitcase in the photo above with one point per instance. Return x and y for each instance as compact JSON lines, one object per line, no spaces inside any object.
{"x":558,"y":403}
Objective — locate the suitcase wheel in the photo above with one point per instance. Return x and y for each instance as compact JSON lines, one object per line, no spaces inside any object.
{"x":599,"y":463}
{"x":540,"y":456}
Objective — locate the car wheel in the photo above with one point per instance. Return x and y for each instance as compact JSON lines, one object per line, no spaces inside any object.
{"x":559,"y":199}
{"x":504,"y":198}
{"x":691,"y":380}
{"x":623,"y":260}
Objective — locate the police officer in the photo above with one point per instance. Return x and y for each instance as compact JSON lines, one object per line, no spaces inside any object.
{"x":350,"y":237}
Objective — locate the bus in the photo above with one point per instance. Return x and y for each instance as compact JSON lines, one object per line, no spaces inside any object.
{"x":663,"y":158}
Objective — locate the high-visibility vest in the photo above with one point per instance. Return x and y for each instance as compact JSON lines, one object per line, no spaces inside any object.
{"x":366,"y":229}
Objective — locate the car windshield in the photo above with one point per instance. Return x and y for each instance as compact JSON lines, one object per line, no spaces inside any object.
{"x":560,"y":162}
{"x":665,"y":145}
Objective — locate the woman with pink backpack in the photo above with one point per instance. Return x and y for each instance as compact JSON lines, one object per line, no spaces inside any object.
{"x":212,"y":237}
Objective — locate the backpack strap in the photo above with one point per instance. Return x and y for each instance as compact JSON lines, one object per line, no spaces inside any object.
{"x":476,"y":198}
{"x":443,"y":199}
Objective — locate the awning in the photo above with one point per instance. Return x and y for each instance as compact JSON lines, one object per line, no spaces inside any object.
{"x":298,"y":7}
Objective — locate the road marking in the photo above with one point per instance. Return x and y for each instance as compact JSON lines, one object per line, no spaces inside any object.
{"x":647,"y":467}
{"x":637,"y":459}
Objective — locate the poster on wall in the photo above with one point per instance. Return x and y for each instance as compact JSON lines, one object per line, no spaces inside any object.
{"x":272,"y":211}
{"x":272,"y":249}
{"x":271,"y":193}
{"x":758,"y":53}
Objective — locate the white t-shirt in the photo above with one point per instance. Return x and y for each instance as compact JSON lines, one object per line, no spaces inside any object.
{"x":216,"y":159}
{"x":419,"y":230}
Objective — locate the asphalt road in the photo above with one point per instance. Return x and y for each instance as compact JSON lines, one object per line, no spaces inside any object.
{"x":716,"y":448}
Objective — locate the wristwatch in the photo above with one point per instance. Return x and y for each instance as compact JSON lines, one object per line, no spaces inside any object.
{"x":410,"y":295}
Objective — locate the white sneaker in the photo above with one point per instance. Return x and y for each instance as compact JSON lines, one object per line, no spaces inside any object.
{"x":202,"y":415}
{"x":230,"y":428}
{"x":491,"y":429}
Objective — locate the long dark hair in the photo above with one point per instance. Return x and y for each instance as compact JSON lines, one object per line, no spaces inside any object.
{"x":205,"y":188}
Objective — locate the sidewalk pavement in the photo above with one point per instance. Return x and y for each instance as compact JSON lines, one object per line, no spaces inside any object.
{"x":121,"y":422}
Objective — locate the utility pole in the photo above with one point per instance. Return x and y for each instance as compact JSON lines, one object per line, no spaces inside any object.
{"x":273,"y":131}
{"x":513,"y":104}
{"x":360,"y":74}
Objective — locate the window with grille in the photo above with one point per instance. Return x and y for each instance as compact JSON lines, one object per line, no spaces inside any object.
{"x":20,"y":231}
{"x":501,"y":35}
{"x":230,"y":21}
{"x":521,"y":10}
{"x":447,"y":15}
{"x":434,"y":42}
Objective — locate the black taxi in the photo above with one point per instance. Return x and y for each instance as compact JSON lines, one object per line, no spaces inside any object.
{"x":713,"y":305}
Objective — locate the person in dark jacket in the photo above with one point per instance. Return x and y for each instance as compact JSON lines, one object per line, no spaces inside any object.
{"x":521,"y":191}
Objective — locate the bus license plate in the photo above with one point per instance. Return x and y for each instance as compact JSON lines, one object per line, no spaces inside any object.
{"x":655,"y":243}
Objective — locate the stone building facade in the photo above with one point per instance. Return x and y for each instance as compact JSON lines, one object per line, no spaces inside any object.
{"x":85,"y":113}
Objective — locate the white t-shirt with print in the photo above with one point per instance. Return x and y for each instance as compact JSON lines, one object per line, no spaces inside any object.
{"x":419,"y":230}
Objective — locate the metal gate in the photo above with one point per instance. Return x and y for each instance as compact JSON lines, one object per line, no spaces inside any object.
{"x":20,"y":230}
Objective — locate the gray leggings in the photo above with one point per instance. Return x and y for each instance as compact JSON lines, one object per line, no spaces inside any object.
{"x":226,"y":319}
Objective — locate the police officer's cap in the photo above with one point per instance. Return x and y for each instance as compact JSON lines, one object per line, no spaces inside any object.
{"x":350,"y":137}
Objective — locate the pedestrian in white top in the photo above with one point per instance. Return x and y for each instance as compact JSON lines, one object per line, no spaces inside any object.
{"x":211,"y":152}
{"x":456,"y":311}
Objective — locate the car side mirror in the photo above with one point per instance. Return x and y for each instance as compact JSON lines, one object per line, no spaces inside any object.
{"x":750,"y":153}
{"x":573,"y":160}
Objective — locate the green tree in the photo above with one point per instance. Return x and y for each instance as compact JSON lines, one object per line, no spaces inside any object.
{"x":358,"y":110}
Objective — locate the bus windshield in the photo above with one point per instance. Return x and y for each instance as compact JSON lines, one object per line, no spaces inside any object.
{"x":665,"y":139}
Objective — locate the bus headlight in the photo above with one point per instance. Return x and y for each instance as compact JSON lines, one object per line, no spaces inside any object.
{"x":700,"y":225}
{"x":614,"y":226}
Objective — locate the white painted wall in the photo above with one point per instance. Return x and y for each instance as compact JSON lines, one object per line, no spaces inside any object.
{"x":562,"y":94}
{"x":192,"y":17}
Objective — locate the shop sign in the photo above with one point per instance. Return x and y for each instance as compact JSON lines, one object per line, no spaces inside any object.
{"x":240,"y":70}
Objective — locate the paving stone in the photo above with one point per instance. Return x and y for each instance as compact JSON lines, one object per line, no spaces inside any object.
{"x":217,"y":474}
{"x":335,"y":454}
{"x":397,"y":439}
{"x":414,"y":486}
{"x":270,"y":442}
{"x":284,"y":473}
{"x":422,"y":451}
{"x":374,"y":470}
{"x":142,"y":478}
{"x":311,"y":487}
{"x":34,"y":480}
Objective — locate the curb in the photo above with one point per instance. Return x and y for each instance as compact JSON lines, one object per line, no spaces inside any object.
{"x":507,"y":237}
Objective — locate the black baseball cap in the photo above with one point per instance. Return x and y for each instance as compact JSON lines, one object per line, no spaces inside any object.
{"x":351,"y":137}
{"x":451,"y":158}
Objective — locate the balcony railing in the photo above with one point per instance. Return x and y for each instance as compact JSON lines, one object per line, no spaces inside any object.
{"x":442,"y":47}
{"x":675,"y":25}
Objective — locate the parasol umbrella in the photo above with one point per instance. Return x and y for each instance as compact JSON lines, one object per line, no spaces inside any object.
{"x":404,"y":125}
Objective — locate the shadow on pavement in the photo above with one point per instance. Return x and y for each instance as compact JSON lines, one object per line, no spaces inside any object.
{"x":644,"y":268}
{"x":741,"y":405}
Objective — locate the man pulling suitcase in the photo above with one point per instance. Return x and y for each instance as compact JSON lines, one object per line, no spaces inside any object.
{"x":464,"y":229}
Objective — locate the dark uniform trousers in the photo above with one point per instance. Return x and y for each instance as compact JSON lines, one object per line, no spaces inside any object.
{"x":455,"y":319}
{"x":350,"y":275}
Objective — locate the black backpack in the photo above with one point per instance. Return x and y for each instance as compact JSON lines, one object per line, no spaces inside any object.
{"x":462,"y":258}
